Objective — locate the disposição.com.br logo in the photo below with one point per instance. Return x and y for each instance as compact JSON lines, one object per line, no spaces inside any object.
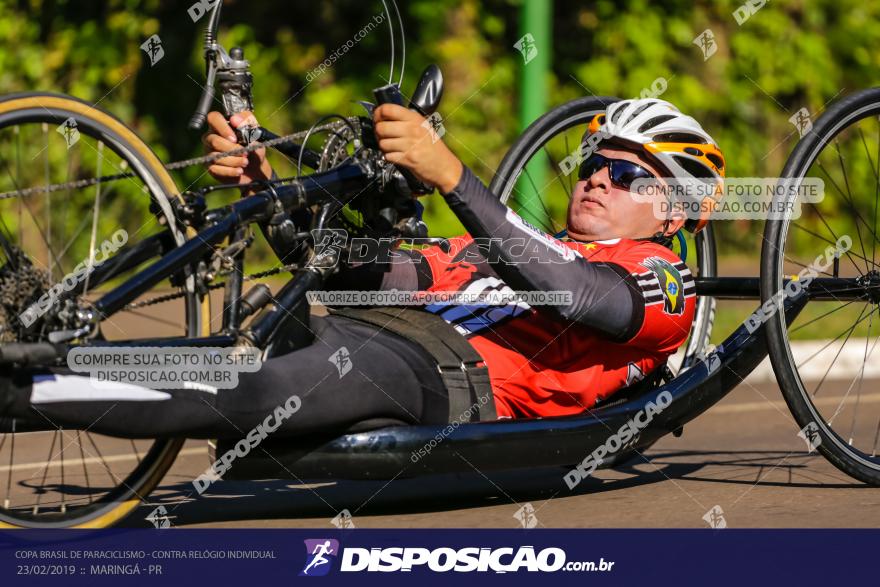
{"x":322,"y":553}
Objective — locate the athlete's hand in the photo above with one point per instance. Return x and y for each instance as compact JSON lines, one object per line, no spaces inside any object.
{"x":408,"y":142}
{"x":236,"y":169}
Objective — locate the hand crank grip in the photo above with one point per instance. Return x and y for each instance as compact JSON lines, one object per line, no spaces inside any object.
{"x":390,"y":94}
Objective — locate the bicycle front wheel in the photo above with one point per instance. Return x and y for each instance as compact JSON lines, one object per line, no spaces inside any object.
{"x":823,"y":358}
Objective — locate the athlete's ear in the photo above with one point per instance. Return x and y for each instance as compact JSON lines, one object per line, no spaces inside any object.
{"x":675,"y":222}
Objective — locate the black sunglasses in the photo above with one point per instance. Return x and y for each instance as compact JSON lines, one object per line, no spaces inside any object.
{"x":623,"y":173}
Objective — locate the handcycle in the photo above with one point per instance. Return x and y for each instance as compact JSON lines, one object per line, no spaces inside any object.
{"x":187,"y":248}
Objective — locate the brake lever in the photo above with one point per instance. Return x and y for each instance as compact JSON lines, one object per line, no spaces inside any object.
{"x":390,"y":94}
{"x":232,"y":72}
{"x":236,"y":92}
{"x":197,"y":121}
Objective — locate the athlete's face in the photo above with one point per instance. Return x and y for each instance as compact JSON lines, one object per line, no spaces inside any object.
{"x":601,"y":210}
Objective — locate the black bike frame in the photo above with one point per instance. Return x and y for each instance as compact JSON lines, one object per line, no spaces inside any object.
{"x":333,"y":188}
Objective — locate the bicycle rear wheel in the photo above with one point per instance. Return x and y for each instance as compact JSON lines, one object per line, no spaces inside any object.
{"x":545,"y":150}
{"x":52,"y":477}
{"x":835,"y":406}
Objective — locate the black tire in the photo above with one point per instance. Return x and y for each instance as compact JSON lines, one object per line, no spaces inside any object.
{"x":577,"y":113}
{"x":53,"y":109}
{"x":836,"y":119}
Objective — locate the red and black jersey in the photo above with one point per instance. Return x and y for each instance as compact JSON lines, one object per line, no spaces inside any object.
{"x":541,"y":364}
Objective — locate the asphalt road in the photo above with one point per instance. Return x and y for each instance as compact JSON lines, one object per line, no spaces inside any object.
{"x":743,"y":456}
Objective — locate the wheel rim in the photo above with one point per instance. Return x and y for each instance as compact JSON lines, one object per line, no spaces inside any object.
{"x":47,"y":489}
{"x":844,"y":412}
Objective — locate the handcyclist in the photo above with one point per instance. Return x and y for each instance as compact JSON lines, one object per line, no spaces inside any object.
{"x":632,"y":299}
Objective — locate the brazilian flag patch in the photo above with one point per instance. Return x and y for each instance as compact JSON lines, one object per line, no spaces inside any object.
{"x":671,"y":284}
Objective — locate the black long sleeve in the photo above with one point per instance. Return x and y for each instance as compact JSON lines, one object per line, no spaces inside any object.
{"x":604,"y":295}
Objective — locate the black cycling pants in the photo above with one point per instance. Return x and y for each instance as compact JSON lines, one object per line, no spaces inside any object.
{"x":390,"y":380}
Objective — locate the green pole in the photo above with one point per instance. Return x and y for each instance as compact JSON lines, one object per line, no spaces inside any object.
{"x":535,"y":45}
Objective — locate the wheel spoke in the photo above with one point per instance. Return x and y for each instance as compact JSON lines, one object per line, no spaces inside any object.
{"x":94,"y":236}
{"x":47,"y":203}
{"x":570,"y":182}
{"x":861,"y":377}
{"x":876,"y":192}
{"x":6,"y":500}
{"x":79,"y":230}
{"x":849,"y":199}
{"x":17,"y":132}
{"x":805,"y":266}
{"x":829,"y":343}
{"x":848,"y":333}
{"x":844,"y":305}
{"x":135,"y":450}
{"x":45,"y":473}
{"x":63,"y":489}
{"x":110,"y":472}
{"x":559,"y":177}
{"x":65,"y":204}
{"x":875,"y":171}
{"x":876,"y":438}
{"x":854,"y":212}
{"x":551,"y":229}
{"x":848,"y":253}
{"x":46,"y":239}
{"x":82,"y":456}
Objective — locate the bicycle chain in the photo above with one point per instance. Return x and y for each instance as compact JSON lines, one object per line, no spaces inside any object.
{"x":84,"y":183}
{"x":199,"y":160}
{"x":168,"y":297}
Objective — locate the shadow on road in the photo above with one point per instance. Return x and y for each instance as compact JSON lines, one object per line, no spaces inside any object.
{"x":228,"y":501}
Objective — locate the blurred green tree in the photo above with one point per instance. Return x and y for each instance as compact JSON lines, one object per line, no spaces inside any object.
{"x":788,"y":55}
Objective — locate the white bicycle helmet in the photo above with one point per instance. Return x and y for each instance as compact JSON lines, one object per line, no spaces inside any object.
{"x":672,"y":140}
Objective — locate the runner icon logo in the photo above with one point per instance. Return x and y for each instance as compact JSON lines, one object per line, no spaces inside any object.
{"x":810,"y":435}
{"x":343,"y":520}
{"x":320,"y":554}
{"x":706,"y":42}
{"x":527,"y":46}
{"x":342,"y":360}
{"x":715,"y":518}
{"x":526,"y":516}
